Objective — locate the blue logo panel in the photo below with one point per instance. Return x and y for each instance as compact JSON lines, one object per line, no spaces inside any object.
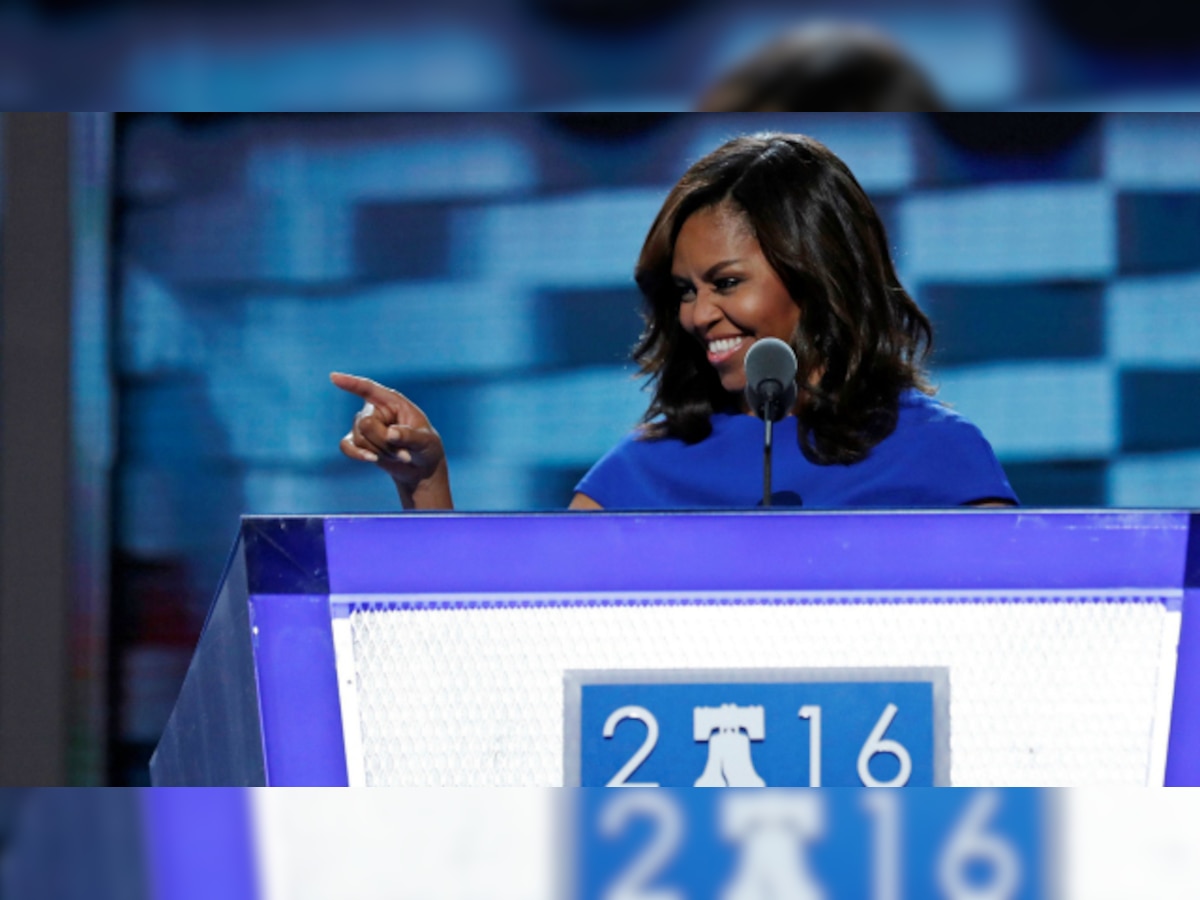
{"x":814,"y":844}
{"x":823,"y":733}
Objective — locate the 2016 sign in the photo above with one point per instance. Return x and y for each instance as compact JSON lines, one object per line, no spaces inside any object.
{"x":965,"y":844}
{"x":811,"y":733}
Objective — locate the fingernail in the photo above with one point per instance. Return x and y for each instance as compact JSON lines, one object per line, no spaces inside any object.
{"x":404,"y":456}
{"x":369,"y":456}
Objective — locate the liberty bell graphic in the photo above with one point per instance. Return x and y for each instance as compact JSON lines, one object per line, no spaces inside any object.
{"x":774,"y":831}
{"x":728,"y":729}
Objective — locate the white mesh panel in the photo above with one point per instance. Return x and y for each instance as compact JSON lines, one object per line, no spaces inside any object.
{"x":1041,"y":693}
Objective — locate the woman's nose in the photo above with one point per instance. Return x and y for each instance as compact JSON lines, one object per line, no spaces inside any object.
{"x":707,"y":311}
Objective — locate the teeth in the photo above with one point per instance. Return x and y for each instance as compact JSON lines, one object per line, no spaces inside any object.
{"x":724,"y":345}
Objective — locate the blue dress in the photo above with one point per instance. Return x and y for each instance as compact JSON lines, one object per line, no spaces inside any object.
{"x":934,"y":458}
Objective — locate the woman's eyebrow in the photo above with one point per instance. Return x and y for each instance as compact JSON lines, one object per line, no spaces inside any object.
{"x":709,"y":273}
{"x":717,"y":267}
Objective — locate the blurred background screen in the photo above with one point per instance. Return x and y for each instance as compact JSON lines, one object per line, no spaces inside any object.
{"x":623,"y":55}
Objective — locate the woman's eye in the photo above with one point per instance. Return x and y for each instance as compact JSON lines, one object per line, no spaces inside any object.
{"x":726,"y":284}
{"x":686,"y":293}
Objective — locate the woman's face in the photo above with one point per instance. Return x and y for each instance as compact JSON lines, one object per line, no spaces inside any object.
{"x":729,"y":294}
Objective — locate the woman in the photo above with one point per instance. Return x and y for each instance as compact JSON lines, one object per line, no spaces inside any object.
{"x":767,"y":236}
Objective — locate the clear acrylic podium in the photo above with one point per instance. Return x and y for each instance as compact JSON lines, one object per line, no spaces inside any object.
{"x":431,"y":648}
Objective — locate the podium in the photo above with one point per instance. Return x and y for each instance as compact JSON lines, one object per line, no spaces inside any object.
{"x":438,"y":648}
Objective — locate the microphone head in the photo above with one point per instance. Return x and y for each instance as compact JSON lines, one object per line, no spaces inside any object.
{"x":770,"y":378}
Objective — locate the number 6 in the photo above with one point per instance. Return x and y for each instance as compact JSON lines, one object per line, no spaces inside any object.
{"x":970,"y":841}
{"x":877,"y":743}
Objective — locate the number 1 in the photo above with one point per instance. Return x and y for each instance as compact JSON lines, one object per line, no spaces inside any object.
{"x":813,"y":714}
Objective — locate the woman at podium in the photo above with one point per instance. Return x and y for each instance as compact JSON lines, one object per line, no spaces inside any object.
{"x":768,"y":236}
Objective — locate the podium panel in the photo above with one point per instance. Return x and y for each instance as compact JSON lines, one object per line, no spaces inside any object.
{"x":439,"y":649}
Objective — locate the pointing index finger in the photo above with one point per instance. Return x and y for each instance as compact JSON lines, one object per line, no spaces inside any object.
{"x":371,"y":391}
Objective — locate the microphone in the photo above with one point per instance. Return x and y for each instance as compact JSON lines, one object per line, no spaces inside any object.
{"x":770,"y":392}
{"x":770,"y":379}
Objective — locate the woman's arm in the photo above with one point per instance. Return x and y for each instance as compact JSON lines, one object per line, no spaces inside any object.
{"x":393,"y":433}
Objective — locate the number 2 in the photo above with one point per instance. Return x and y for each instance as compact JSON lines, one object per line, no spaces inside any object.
{"x":646,"y":717}
{"x":633,"y":883}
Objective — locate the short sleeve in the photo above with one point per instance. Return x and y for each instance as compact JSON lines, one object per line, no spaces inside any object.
{"x":952,"y":464}
{"x":615,"y":481}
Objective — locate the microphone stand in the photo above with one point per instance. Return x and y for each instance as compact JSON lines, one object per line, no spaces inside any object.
{"x":770,"y":396}
{"x":767,"y":464}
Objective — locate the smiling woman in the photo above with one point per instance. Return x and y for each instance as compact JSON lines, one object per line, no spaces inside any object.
{"x":767,"y":236}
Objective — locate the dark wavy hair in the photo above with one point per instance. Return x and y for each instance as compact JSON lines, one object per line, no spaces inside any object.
{"x":861,"y":338}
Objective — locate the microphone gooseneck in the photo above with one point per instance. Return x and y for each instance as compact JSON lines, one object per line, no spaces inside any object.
{"x":770,"y":392}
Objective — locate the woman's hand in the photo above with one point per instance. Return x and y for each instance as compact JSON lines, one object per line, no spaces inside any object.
{"x":392,"y":432}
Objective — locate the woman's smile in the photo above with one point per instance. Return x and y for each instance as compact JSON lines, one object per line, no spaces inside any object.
{"x":721,"y":349}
